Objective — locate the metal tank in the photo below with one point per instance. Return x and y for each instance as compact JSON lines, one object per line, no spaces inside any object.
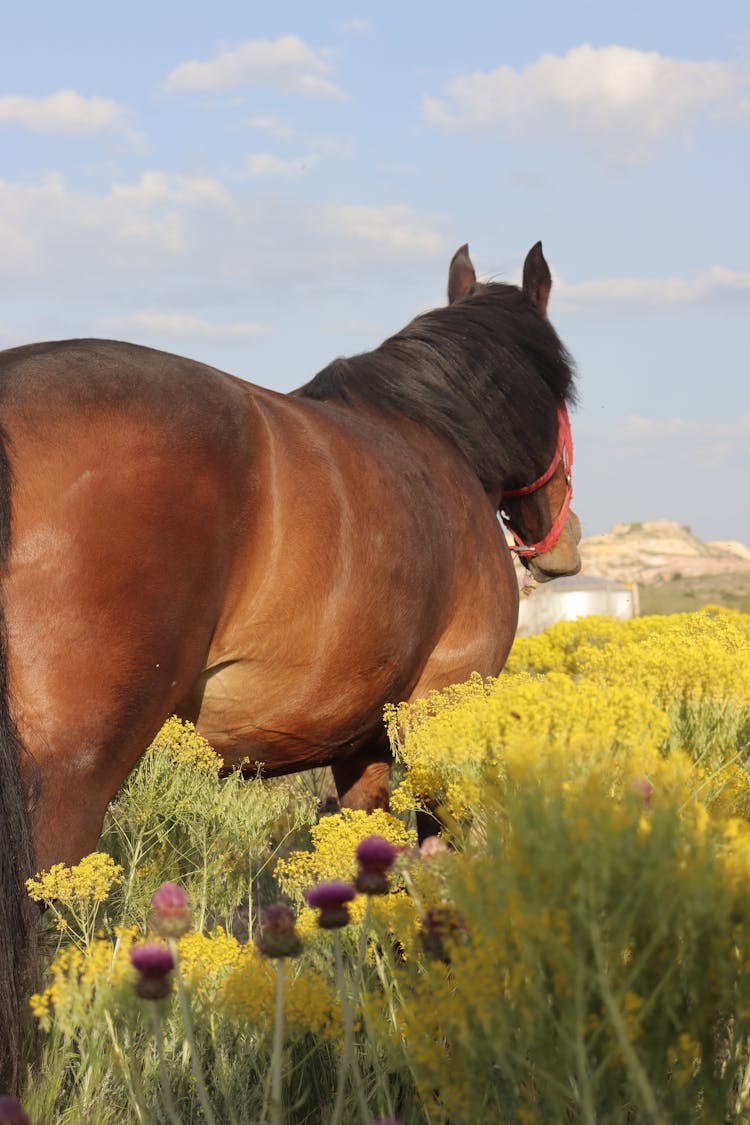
{"x":566,"y":599}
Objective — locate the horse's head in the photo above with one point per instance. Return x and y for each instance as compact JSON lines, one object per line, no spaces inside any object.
{"x":546,"y":532}
{"x":545,"y":529}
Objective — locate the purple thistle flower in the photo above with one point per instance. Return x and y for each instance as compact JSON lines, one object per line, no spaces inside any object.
{"x":440,"y":926}
{"x":432,"y":846}
{"x":330,"y":894}
{"x":375,"y":856}
{"x":154,"y":963}
{"x":644,"y":788}
{"x":330,"y":899}
{"x":170,"y":911}
{"x":12,"y":1112}
{"x":278,"y":936}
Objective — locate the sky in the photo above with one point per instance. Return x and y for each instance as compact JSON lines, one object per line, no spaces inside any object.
{"x":266,"y":187}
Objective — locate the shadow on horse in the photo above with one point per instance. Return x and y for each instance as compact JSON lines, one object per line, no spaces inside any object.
{"x":273,"y":567}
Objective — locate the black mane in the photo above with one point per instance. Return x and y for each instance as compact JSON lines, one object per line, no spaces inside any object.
{"x":487,"y":372}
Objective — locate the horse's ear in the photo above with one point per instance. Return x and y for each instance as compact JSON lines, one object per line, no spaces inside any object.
{"x":461,"y":275}
{"x":537,"y":280}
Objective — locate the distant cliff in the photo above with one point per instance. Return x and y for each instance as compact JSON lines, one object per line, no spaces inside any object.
{"x":659,"y":551}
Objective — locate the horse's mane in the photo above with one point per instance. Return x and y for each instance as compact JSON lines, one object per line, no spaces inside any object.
{"x":487,"y":372}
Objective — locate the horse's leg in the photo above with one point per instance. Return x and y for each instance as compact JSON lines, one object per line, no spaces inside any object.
{"x":101,"y":654}
{"x":363,"y":782}
{"x":79,"y":768}
{"x":428,"y":822}
{"x":90,"y":698}
{"x":363,"y":777}
{"x":67,"y":818}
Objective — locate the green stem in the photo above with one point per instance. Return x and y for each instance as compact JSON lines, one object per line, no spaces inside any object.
{"x":362,"y":944}
{"x":250,"y":918}
{"x":204,"y":884}
{"x":613,"y":1010}
{"x":356,"y":990}
{"x":389,"y":984}
{"x":346,"y":1009}
{"x":169,"y":1106}
{"x":582,"y":1065}
{"x":134,"y":863}
{"x":349,"y":992}
{"x":131,"y":1076}
{"x":743,"y":1097}
{"x":277,"y":1056}
{"x":195,"y":1060}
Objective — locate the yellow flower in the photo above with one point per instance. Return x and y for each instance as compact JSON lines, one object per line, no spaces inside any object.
{"x":684,"y":1059}
{"x":334,"y":843}
{"x":632,"y":1004}
{"x":180,"y":740}
{"x":248,"y":994}
{"x":91,"y":880}
{"x":205,"y":959}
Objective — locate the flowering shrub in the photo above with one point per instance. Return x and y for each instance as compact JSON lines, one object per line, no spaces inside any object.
{"x":582,"y":946}
{"x":595,"y":939}
{"x":75,"y":894}
{"x":593,"y":694}
{"x":177,"y":820}
{"x":75,"y":978}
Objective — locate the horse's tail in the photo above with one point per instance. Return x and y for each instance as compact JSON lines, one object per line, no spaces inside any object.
{"x":17,"y":928}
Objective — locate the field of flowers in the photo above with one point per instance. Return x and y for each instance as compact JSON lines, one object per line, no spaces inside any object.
{"x":579,"y":954}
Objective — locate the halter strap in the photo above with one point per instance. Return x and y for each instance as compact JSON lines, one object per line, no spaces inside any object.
{"x":563,"y":452}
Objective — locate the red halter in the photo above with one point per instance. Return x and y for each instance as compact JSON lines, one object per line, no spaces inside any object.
{"x":564,"y":453}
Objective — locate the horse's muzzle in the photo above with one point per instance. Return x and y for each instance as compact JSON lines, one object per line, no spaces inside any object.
{"x":563,"y":559}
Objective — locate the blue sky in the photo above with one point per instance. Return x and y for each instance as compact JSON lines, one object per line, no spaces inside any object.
{"x":266,"y":187}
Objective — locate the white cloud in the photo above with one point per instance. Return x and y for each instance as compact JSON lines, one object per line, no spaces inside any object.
{"x":191,"y":242}
{"x":317,"y":146}
{"x":47,"y":231}
{"x":715,"y":283}
{"x":181,"y":324}
{"x":154,"y":188}
{"x":287,"y":64}
{"x":617,"y":100}
{"x":268,"y":164}
{"x":65,"y":112}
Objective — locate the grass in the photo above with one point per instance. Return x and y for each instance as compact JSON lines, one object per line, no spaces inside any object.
{"x":682,"y":595}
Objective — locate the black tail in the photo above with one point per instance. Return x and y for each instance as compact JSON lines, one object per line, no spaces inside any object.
{"x":17,"y":928}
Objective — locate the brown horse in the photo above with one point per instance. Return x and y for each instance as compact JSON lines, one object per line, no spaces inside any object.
{"x":274,"y":567}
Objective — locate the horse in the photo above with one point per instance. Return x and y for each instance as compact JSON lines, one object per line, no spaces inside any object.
{"x":273,"y":567}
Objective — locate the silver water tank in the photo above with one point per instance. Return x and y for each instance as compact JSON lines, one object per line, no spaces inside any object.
{"x":566,"y":599}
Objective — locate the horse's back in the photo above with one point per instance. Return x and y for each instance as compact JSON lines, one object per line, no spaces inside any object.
{"x":121,"y":456}
{"x":99,"y":376}
{"x":120,"y":452}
